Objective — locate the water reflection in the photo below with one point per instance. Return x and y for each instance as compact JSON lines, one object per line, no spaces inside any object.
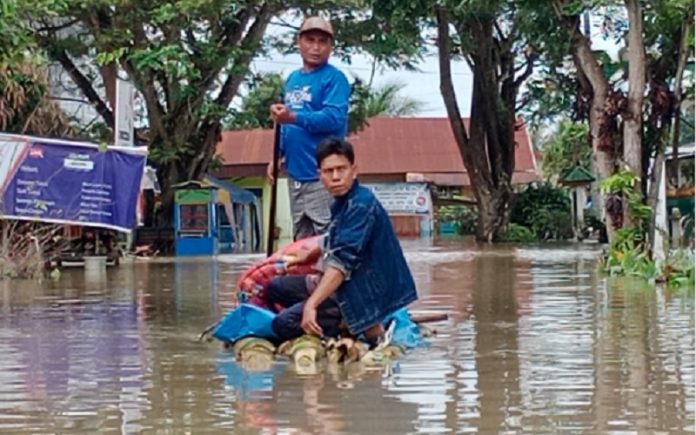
{"x":536,"y":342}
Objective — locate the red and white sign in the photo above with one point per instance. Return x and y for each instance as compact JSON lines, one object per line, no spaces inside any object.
{"x":404,"y":198}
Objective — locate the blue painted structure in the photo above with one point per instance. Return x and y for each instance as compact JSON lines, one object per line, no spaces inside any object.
{"x":195,"y":219}
{"x":213,"y":217}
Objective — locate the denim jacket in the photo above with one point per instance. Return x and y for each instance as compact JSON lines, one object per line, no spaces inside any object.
{"x":362,"y":244}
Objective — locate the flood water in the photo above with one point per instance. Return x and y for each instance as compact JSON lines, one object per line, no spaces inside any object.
{"x":537,"y":342}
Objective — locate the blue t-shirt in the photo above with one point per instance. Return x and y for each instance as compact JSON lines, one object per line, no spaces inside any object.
{"x":320,"y":100}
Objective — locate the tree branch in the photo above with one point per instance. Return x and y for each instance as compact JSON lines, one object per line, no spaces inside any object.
{"x":231,"y":36}
{"x":583,"y":52}
{"x":251,"y":39}
{"x":84,"y":84}
{"x":145,"y":82}
{"x":446,"y":85}
{"x":234,"y":31}
{"x":54,"y":29}
{"x":528,"y":70}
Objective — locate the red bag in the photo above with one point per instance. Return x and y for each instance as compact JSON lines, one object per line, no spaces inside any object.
{"x":253,"y":284}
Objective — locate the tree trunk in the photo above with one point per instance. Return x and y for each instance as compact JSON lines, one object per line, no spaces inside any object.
{"x":603,"y":108}
{"x":662,"y":120}
{"x":654,"y":191}
{"x":633,"y":115}
{"x":187,"y":167}
{"x":109,"y":75}
{"x":681,"y":66}
{"x":494,"y":213}
{"x":487,"y":151}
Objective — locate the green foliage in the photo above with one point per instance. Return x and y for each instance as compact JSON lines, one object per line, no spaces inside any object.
{"x":262,"y":91}
{"x":24,"y":104}
{"x":678,"y":270}
{"x":628,"y":253}
{"x":544,"y":210}
{"x":518,"y":234}
{"x":265,"y":89}
{"x":630,"y":261}
{"x":357,"y":111}
{"x":16,"y":33}
{"x":622,"y":185}
{"x":568,"y":147}
{"x":387,"y":100}
{"x":591,"y":220}
{"x":627,"y":257}
{"x":464,"y":218}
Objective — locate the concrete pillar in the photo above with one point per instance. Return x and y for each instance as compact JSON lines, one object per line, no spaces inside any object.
{"x":675,"y":225}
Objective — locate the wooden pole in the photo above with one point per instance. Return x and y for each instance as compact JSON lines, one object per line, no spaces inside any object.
{"x":274,"y":192}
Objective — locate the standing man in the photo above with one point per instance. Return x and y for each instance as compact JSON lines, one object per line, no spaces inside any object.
{"x":315,"y":107}
{"x":365,"y":276}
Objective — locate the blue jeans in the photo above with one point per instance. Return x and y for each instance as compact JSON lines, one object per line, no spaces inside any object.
{"x":291,"y":293}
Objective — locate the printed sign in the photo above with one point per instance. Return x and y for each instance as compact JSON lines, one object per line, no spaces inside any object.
{"x":69,"y":182}
{"x":407,"y":198}
{"x":124,"y":114}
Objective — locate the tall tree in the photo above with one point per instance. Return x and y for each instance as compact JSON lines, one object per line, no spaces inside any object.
{"x":187,"y":58}
{"x":490,"y":37}
{"x":653,"y":35}
{"x":25,"y":107}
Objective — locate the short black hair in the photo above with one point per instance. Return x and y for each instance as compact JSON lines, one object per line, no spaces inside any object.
{"x":334,"y":145}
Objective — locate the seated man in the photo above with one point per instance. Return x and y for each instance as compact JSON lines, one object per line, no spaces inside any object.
{"x":365,"y":275}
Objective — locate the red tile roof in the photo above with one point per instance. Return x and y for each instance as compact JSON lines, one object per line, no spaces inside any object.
{"x":389,"y":146}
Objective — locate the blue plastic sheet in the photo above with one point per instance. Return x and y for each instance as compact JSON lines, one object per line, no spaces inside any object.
{"x":250,"y":320}
{"x":406,"y":331}
{"x":245,"y":320}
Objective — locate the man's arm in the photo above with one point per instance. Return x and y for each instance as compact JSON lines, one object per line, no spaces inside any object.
{"x":304,"y":256}
{"x":330,"y":281}
{"x":344,"y":256}
{"x":346,"y":249}
{"x":334,"y":112}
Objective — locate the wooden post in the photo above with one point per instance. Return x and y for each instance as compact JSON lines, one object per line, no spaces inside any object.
{"x":274,"y":192}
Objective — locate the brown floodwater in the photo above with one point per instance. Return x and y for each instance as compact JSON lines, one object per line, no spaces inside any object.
{"x":536,"y":342}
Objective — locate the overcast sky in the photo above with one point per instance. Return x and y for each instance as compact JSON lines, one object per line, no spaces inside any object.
{"x":423,"y":86}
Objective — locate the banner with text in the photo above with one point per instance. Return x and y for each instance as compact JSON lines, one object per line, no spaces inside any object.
{"x":69,"y":182}
{"x":405,"y":198}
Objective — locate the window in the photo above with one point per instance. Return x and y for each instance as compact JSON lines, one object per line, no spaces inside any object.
{"x":194,"y":217}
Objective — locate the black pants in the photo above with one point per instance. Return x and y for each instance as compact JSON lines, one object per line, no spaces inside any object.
{"x":291,"y":293}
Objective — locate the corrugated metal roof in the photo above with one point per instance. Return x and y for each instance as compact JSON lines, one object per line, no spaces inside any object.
{"x":388,"y":146}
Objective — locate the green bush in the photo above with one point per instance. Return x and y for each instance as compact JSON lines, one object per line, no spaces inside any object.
{"x":518,"y":233}
{"x":544,"y":210}
{"x":464,"y":218}
{"x":591,"y":220}
{"x":678,"y":269}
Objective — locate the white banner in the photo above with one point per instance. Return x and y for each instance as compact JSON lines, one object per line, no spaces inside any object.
{"x":12,"y":152}
{"x":406,"y":198}
{"x":123,"y":130}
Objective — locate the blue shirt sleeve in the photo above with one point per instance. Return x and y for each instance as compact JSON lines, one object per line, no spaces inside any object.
{"x":334,"y":107}
{"x":350,"y":238}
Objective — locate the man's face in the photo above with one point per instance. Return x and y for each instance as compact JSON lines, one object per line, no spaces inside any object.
{"x":337,"y":174}
{"x":315,"y":47}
